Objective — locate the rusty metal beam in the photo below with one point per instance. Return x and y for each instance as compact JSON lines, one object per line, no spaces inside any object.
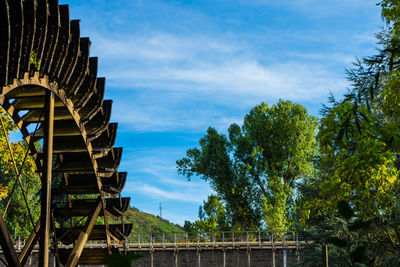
{"x":7,"y":244}
{"x":83,"y":237}
{"x":46,"y":180}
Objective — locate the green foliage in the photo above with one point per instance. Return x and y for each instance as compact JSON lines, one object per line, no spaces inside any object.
{"x":35,"y":61}
{"x":356,"y":162}
{"x":226,"y":177}
{"x":391,"y":14}
{"x":3,"y":191}
{"x":148,"y":223}
{"x":17,"y":219}
{"x":254,"y":170}
{"x":352,"y":204}
{"x":212,"y":217}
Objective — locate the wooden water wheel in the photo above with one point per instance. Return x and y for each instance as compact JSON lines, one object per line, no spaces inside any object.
{"x":48,"y":79}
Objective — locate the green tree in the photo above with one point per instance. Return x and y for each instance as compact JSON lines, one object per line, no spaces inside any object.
{"x":254,"y":171}
{"x":359,"y":163}
{"x":213,"y":161}
{"x":212,"y":217}
{"x":391,"y":14}
{"x":17,"y":217}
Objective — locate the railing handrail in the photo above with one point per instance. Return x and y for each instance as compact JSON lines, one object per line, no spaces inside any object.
{"x":207,"y":239}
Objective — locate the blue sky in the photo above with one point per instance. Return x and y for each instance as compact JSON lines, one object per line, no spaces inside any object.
{"x":173,"y":68}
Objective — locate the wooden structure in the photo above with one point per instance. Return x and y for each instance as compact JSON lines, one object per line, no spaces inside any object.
{"x":47,"y":79}
{"x":225,"y":248}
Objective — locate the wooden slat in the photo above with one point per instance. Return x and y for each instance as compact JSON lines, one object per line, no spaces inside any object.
{"x":81,"y":67}
{"x":41,"y":49}
{"x":42,"y":13}
{"x":4,"y":42}
{"x":83,"y":207}
{"x":95,"y":102}
{"x":29,"y":10}
{"x":34,"y":103}
{"x":88,"y":87}
{"x":26,"y":91}
{"x":98,"y":232}
{"x":51,"y":37}
{"x":72,"y":56}
{"x":16,"y":21}
{"x":36,"y":115}
{"x":62,"y":44}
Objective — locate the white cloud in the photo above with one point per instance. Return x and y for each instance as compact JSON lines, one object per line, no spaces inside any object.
{"x":152,"y":173}
{"x":159,"y":46}
{"x":191,"y":194}
{"x":198,"y":63}
{"x":174,"y":82}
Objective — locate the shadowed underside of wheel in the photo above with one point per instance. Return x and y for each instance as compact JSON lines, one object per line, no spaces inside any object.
{"x":41,"y":51}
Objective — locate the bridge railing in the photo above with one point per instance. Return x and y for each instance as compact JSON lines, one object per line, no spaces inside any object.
{"x":213,"y":238}
{"x":203,"y":239}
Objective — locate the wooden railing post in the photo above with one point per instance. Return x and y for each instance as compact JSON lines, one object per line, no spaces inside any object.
{"x":272,"y":238}
{"x":174,"y":239}
{"x":284,"y":239}
{"x":150,"y":241}
{"x":213,"y":238}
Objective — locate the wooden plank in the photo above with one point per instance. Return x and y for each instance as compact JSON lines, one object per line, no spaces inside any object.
{"x":4,"y":42}
{"x":83,"y":237}
{"x":29,"y":10}
{"x":36,"y":115}
{"x":84,"y":92}
{"x":62,"y":44}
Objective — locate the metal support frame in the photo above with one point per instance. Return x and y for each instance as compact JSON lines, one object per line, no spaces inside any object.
{"x":7,"y":244}
{"x":30,"y":243}
{"x":46,"y":179}
{"x":83,"y":237}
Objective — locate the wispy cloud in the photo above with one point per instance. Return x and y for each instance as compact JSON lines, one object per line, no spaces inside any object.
{"x":188,"y":195}
{"x":159,"y":46}
{"x":162,"y":182}
{"x":292,"y":80}
{"x":188,"y":80}
{"x":177,"y":67}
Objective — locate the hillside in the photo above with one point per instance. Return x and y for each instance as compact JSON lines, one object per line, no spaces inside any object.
{"x":146,"y":223}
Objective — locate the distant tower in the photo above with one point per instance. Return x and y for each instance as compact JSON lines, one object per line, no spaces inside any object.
{"x":160,"y":210}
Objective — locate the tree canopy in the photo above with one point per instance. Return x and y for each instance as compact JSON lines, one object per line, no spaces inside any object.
{"x":17,"y":218}
{"x":255,"y":168}
{"x":352,"y":204}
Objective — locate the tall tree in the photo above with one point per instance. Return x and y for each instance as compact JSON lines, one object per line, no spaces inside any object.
{"x":359,"y":162}
{"x":255,"y":170}
{"x":213,"y":162}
